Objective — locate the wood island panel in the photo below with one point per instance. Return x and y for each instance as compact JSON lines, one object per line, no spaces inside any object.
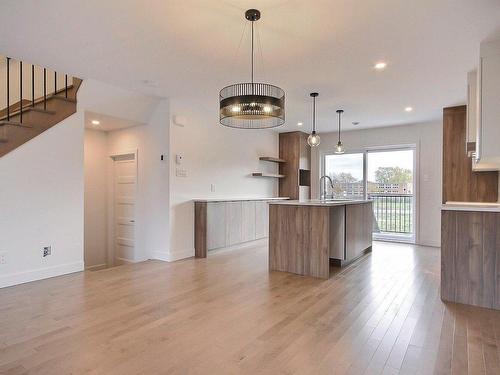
{"x":299,"y":240}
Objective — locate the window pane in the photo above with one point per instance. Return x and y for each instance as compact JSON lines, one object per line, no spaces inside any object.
{"x":346,"y":172}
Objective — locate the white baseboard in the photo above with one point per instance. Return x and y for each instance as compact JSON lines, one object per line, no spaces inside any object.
{"x":39,"y":274}
{"x":172,"y":257}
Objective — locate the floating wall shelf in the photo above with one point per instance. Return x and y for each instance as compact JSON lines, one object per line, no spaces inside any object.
{"x":260,"y":174}
{"x":272,"y":159}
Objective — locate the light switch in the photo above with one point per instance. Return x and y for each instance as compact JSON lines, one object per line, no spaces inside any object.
{"x":212,"y":188}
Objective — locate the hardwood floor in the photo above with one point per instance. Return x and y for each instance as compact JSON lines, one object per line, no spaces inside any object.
{"x":227,"y":314}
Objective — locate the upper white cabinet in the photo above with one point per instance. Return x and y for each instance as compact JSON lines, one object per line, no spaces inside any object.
{"x":488,"y":108}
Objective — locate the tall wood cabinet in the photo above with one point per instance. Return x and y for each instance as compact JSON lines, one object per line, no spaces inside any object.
{"x":460,"y":182}
{"x":293,"y":148}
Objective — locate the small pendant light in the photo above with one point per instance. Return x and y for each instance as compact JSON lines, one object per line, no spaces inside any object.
{"x":314,"y":140}
{"x":339,"y":148}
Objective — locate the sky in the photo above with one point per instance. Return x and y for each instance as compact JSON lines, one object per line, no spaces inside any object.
{"x":353,"y":163}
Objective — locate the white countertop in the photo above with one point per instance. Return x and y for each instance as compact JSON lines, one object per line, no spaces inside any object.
{"x":471,"y":206}
{"x":207,"y":200}
{"x":322,"y":203}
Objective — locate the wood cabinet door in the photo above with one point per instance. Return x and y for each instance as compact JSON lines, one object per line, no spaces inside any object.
{"x":248,"y":221}
{"x":359,"y":224}
{"x":261,"y":220}
{"x":216,"y":225}
{"x":233,"y":223}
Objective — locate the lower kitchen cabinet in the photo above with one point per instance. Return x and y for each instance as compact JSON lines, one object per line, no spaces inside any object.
{"x":470,"y":258}
{"x":224,"y":224}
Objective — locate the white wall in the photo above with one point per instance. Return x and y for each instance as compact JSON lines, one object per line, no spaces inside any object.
{"x":152,"y":204}
{"x":41,"y":204}
{"x":212,"y":154}
{"x":428,"y":139}
{"x":96,"y":189}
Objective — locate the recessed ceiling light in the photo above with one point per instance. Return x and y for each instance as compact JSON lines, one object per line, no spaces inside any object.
{"x":95,"y":122}
{"x":409,"y":109}
{"x":381,"y":65}
{"x":300,"y":124}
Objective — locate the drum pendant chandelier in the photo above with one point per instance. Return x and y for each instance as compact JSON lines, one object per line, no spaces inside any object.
{"x":252,"y":105}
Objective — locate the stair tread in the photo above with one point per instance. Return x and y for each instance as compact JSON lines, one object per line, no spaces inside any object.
{"x":40,"y":110}
{"x":63,"y":98}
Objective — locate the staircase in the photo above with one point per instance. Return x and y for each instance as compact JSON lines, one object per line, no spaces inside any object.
{"x":35,"y":100}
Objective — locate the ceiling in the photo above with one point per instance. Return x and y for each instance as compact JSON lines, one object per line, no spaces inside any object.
{"x":188,"y":49}
{"x":106,"y":123}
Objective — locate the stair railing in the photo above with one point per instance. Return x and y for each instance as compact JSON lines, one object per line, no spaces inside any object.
{"x":34,"y":100}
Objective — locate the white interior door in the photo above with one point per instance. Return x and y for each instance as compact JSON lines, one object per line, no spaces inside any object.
{"x":124,"y":197}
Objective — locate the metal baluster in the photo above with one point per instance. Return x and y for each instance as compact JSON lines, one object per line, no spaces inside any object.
{"x":399,"y":213}
{"x":377,"y":200}
{"x":410,"y":216}
{"x":391,"y":202}
{"x":8,"y":88}
{"x":45,"y":88}
{"x":21,"y":92}
{"x":66,"y":86}
{"x":32,"y":85}
{"x":385,"y":212}
{"x":404,"y":215}
{"x":391,"y":214}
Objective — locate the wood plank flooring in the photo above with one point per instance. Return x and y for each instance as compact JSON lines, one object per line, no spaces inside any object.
{"x":227,"y":314}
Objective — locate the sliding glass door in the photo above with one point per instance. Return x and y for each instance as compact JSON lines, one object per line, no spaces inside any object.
{"x":390,"y":184}
{"x":384,"y":175}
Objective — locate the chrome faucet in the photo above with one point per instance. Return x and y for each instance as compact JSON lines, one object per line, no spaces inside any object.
{"x":322,"y":186}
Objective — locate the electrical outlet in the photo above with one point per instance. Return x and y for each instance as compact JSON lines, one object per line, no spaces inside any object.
{"x":47,"y":250}
{"x":3,"y":258}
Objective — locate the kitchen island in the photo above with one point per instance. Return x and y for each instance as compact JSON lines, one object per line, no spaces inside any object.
{"x":306,"y":236}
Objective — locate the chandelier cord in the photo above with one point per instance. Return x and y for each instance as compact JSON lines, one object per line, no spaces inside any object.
{"x":259,"y":47}
{"x":252,"y":55}
{"x":235,"y":58}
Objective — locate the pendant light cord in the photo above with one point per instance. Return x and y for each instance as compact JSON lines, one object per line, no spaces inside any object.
{"x":339,"y":125}
{"x":340,"y":114}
